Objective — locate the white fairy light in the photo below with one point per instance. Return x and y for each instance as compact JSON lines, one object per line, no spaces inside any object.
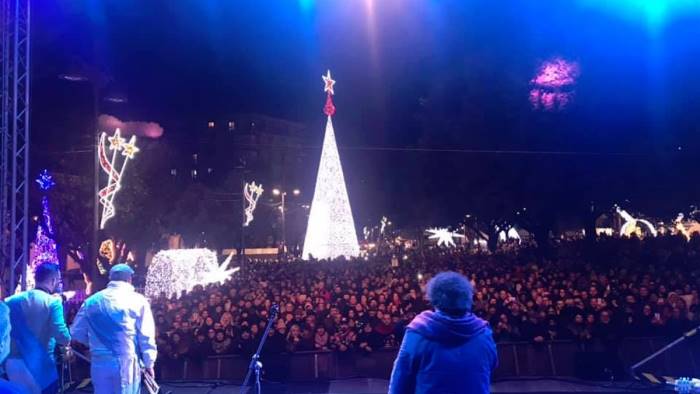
{"x":331,"y":229}
{"x":173,"y":272}
{"x":109,"y":166}
{"x":443,"y":236}
{"x":251,"y":193}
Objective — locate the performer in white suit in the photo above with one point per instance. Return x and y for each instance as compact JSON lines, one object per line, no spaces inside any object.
{"x":117,"y":324}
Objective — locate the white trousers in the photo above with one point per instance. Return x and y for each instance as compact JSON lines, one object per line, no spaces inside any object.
{"x":116,"y":376}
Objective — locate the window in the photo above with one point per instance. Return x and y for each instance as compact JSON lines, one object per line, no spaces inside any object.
{"x":231,"y":125}
{"x":173,"y":171}
{"x":194,"y":174}
{"x":211,"y":124}
{"x":210,"y":170}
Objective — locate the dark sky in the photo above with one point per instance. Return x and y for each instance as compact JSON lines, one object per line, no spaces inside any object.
{"x":425,"y":74}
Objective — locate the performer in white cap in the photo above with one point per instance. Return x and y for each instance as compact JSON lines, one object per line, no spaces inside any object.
{"x":117,"y":324}
{"x":36,"y":318}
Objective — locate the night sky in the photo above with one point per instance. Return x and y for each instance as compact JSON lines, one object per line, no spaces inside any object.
{"x":418,"y":77}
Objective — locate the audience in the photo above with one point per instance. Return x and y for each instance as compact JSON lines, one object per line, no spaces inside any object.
{"x":584,"y":292}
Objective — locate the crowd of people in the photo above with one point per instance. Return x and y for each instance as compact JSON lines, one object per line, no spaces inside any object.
{"x":577,"y":291}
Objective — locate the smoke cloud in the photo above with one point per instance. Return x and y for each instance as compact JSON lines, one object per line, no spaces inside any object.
{"x":141,"y":129}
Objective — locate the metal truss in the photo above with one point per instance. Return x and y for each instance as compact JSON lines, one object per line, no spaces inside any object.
{"x":14,"y":135}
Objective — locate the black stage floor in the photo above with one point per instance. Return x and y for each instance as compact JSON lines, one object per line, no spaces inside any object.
{"x":377,"y":386}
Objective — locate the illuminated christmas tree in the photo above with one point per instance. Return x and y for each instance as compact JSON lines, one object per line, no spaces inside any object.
{"x":331,"y":229}
{"x":44,"y":248}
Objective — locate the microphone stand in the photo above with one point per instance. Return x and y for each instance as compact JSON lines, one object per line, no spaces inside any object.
{"x":664,"y":349}
{"x":255,"y":364}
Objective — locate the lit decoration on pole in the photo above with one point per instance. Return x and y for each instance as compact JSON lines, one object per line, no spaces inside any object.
{"x":251,"y":193}
{"x":128,"y":150}
{"x":331,"y":229}
{"x":383,"y":224}
{"x":631,"y":224}
{"x":553,"y":86}
{"x":443,"y":236}
{"x":174,"y":272}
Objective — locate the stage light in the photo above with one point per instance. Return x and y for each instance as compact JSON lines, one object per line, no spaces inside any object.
{"x":653,"y":13}
{"x":276,"y":192}
{"x":296,"y":192}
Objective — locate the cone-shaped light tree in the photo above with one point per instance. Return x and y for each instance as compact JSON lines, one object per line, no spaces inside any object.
{"x":331,"y":229}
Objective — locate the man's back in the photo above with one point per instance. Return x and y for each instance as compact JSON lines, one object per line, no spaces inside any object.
{"x":443,"y":355}
{"x":116,"y":319}
{"x":42,"y":315}
{"x":37,"y":324}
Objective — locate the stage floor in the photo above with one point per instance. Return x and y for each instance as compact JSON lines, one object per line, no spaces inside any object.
{"x":377,"y":386}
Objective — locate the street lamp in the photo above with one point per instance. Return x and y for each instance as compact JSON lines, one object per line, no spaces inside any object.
{"x":283,"y":194}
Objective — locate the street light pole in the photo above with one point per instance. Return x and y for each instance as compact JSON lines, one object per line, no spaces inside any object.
{"x":96,"y":181}
{"x":284,"y":227}
{"x":283,"y":208}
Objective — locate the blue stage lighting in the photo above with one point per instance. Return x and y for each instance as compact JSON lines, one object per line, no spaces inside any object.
{"x":652,"y":12}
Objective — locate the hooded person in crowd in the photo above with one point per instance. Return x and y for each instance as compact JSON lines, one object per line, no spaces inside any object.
{"x":36,"y":318}
{"x":449,"y":350}
{"x":118,"y":326}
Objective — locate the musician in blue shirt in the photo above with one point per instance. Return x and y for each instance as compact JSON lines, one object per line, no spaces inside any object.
{"x":36,"y":318}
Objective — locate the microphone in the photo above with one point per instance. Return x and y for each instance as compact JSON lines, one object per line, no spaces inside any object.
{"x":686,"y":385}
{"x":274,"y":310}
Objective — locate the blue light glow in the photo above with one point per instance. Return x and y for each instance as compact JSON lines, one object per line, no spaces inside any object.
{"x":655,"y":13}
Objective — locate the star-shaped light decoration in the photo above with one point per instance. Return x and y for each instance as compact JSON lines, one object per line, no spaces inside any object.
{"x":221,"y":273}
{"x":130,"y":149}
{"x":444,"y":236}
{"x":116,"y":142}
{"x":45,"y":180}
{"x":329,"y":83}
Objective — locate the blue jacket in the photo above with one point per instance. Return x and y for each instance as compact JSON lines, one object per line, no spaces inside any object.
{"x":444,"y":355}
{"x":37,"y":325}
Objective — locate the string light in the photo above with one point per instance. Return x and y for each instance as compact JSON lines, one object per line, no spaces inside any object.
{"x":173,"y":272}
{"x":443,"y":236}
{"x":252,"y":193}
{"x":128,"y":151}
{"x":331,"y":229}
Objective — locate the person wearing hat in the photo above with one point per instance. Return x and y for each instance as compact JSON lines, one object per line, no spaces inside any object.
{"x":36,"y":318}
{"x":448,"y":350}
{"x":117,"y":324}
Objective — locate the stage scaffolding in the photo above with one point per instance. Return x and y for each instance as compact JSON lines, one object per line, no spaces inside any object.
{"x":14,"y":130}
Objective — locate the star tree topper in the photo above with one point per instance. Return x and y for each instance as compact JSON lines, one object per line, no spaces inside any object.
{"x":329,"y":83}
{"x":329,"y":108}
